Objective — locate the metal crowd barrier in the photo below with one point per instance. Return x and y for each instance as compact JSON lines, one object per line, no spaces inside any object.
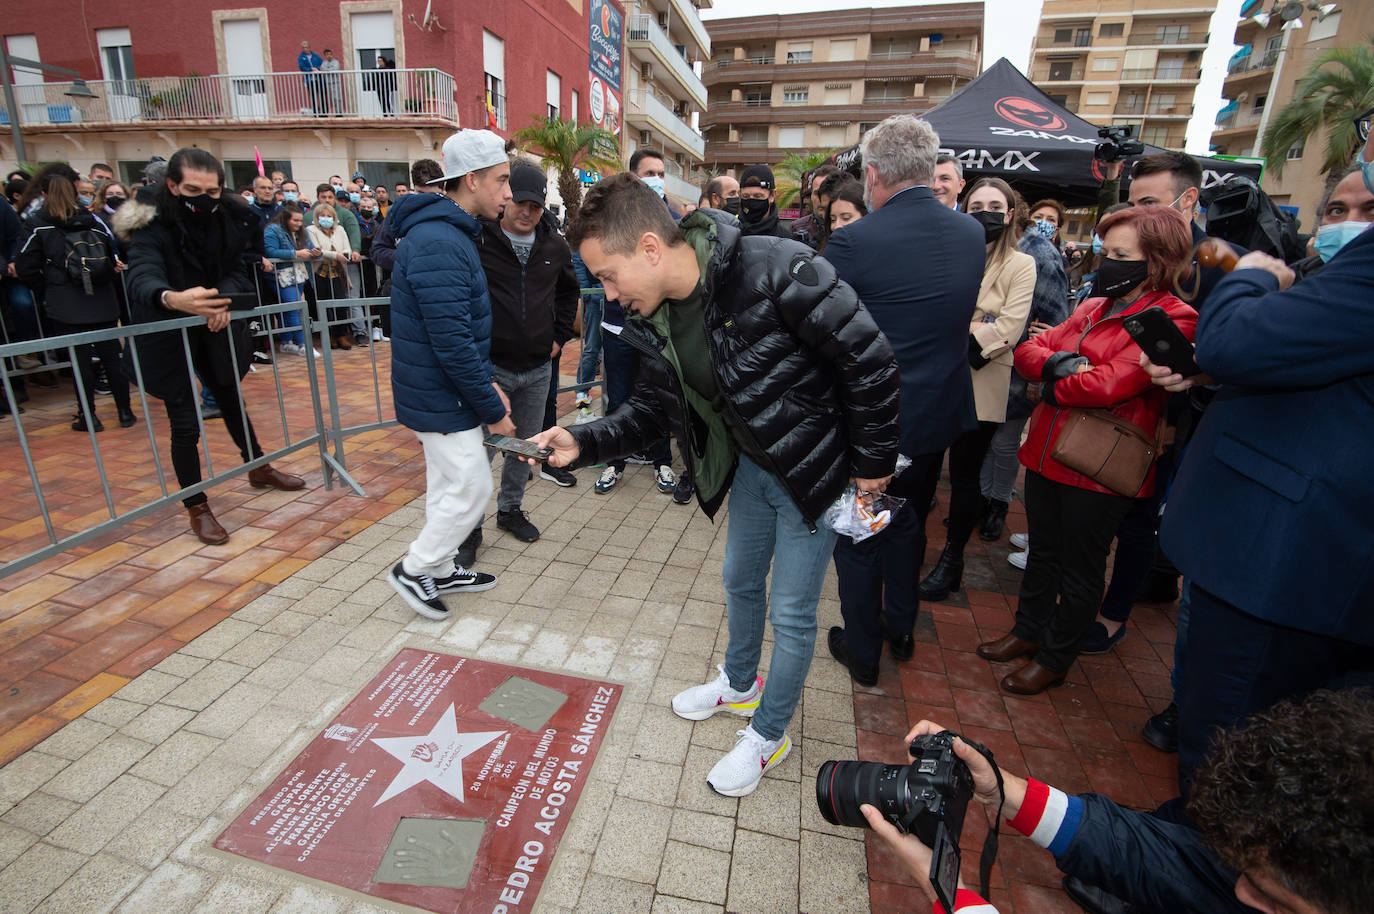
{"x":328,"y":426}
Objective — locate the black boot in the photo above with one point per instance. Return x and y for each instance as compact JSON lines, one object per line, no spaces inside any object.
{"x":945,"y":576}
{"x":994,"y":518}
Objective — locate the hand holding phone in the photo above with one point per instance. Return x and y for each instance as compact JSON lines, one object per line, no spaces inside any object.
{"x":517,"y":446}
{"x":1161,"y":340}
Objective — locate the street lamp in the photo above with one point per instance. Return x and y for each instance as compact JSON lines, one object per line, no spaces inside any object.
{"x":78,"y":89}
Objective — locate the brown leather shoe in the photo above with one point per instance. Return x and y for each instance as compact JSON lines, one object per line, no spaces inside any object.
{"x":1008,"y":647}
{"x":268,"y":477}
{"x":343,"y":342}
{"x":204,"y":525}
{"x":1031,"y":679}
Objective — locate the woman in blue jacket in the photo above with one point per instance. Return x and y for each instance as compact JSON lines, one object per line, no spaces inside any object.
{"x":285,"y":241}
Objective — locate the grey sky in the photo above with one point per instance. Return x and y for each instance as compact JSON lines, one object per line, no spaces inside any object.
{"x":1015,"y":25}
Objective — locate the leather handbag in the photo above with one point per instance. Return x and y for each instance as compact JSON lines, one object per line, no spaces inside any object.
{"x":1106,"y":448}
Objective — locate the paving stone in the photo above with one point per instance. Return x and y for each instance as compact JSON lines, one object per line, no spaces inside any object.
{"x":89,"y":829}
{"x":226,"y":716}
{"x":772,"y":807}
{"x":310,"y":900}
{"x":566,"y":876}
{"x":174,"y":758}
{"x":115,"y":712}
{"x":39,"y":813}
{"x":201,"y":791}
{"x":152,"y":836}
{"x":26,"y":774}
{"x":603,"y":894}
{"x":702,"y":829}
{"x":15,"y":838}
{"x":633,"y":849}
{"x":667,"y":904}
{"x":170,"y":889}
{"x":157,"y":723}
{"x":36,"y":873}
{"x":837,"y":877}
{"x":95,"y":770}
{"x":76,"y":739}
{"x":254,"y":648}
{"x":694,"y":872}
{"x":199,"y":691}
{"x":646,"y":780}
{"x":219,"y":639}
{"x":183,"y":666}
{"x":149,"y":687}
{"x":97,"y":887}
{"x":231,"y":895}
{"x":763,"y":874}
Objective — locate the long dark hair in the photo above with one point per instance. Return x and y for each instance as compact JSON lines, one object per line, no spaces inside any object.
{"x":1020,"y":216}
{"x":846,"y":188}
{"x":39,"y":183}
{"x":60,"y":203}
{"x":298,"y":238}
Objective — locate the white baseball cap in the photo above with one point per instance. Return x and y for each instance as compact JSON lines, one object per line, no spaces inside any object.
{"x":470,"y":150}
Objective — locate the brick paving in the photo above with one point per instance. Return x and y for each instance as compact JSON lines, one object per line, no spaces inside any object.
{"x":153,"y":685}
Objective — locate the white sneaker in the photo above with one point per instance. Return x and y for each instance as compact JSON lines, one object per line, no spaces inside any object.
{"x":700,"y":702}
{"x":743,"y":767}
{"x":585,"y":415}
{"x":665,"y":480}
{"x":1020,"y":541}
{"x":1018,"y":559}
{"x":292,"y":348}
{"x":583,"y":403}
{"x":609,"y":477}
{"x":377,"y":336}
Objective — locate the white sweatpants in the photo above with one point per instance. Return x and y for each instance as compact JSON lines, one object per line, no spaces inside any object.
{"x":457,"y":487}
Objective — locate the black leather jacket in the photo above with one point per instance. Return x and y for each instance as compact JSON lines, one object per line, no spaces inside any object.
{"x":797,"y":360}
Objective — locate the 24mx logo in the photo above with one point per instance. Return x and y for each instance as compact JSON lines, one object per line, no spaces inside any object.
{"x":987,"y":160}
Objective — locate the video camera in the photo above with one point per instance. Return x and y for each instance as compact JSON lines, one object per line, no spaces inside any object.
{"x":927,"y":798}
{"x":1117,"y":143}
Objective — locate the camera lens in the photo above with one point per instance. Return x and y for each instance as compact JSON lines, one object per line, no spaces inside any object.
{"x":842,"y":787}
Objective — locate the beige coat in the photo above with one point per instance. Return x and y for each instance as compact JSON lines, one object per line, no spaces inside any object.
{"x":1005,"y":296}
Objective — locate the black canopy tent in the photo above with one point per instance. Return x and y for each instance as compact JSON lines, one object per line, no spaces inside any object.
{"x":1000,"y":124}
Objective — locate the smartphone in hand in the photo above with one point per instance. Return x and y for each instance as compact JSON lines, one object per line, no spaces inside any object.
{"x":517,"y":446}
{"x":240,"y":301}
{"x":1163,"y":343}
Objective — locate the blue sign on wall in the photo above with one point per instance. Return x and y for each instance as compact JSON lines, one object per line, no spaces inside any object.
{"x":604,"y":42}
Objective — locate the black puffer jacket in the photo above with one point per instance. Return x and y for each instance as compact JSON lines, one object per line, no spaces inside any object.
{"x":40,"y":261}
{"x":796,"y":358}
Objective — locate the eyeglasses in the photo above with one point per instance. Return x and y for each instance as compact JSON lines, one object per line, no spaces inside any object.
{"x":1362,"y":124}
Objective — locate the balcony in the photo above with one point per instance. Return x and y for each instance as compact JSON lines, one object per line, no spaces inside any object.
{"x":1251,"y":63}
{"x":1241,"y":121}
{"x":958,"y":64}
{"x":1153,"y":75}
{"x":406,"y":95}
{"x":872,"y":109}
{"x":644,"y":110}
{"x":1150,"y":37}
{"x":1153,"y":109}
{"x":649,"y":43}
{"x":751,"y":153}
{"x":687,"y":14}
{"x":1074,"y":74}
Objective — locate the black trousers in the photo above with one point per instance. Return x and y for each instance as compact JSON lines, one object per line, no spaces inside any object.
{"x":1135,"y":552}
{"x":109,"y":353}
{"x":182,"y":417}
{"x":1071,"y":532}
{"x":1238,"y":664}
{"x":882,"y":574}
{"x":965,"y":489}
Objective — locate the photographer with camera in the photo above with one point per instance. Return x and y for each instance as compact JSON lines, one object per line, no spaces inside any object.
{"x":1282,"y":805}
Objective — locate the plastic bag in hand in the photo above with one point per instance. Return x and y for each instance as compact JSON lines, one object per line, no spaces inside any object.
{"x":859,"y":515}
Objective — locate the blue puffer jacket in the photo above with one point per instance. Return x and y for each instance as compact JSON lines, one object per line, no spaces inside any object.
{"x":440,"y":319}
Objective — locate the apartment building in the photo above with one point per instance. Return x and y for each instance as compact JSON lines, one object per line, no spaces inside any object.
{"x":816,"y":81}
{"x":227,"y":80}
{"x":1274,"y":54}
{"x":666,"y":46}
{"x":1124,"y":61}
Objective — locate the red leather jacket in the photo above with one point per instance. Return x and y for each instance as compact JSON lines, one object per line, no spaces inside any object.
{"x":1116,"y":381}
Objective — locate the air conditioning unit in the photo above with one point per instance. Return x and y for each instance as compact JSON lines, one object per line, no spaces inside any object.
{"x":646,"y":70}
{"x":663,"y":21}
{"x":646,"y":137}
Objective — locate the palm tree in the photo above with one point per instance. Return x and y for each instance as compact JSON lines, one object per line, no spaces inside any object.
{"x":568,"y":146}
{"x":1338,"y":88}
{"x":788,"y":174}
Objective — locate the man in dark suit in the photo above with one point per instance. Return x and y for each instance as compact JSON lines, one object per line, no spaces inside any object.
{"x":1271,"y":512}
{"x":925,"y":314}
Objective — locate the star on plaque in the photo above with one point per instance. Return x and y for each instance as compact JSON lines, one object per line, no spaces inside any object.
{"x":435,"y":756}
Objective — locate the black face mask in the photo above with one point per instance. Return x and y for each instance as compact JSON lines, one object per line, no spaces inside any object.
{"x":200,"y":205}
{"x":1116,"y":278}
{"x":113,"y":203}
{"x":754,"y":210}
{"x":994,"y":223}
{"x":731,"y":205}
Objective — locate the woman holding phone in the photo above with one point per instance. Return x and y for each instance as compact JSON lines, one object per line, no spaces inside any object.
{"x":1089,"y":362}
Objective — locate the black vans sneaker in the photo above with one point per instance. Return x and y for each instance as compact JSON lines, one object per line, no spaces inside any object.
{"x":465,"y":581}
{"x":420,"y":591}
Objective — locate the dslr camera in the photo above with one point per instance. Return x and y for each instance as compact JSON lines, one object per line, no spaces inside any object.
{"x":927,"y":798}
{"x":1117,"y":143}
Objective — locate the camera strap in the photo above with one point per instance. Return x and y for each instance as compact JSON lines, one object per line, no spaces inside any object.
{"x":989,"y":855}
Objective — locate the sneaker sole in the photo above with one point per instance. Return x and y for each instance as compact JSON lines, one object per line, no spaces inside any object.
{"x":556,"y":481}
{"x":466,"y":588}
{"x":774,"y":761}
{"x":742,"y":708}
{"x":415,"y":603}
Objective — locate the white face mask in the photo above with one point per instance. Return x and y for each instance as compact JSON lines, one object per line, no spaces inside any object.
{"x":655,"y":184}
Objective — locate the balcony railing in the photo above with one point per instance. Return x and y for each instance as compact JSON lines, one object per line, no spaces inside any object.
{"x":425,"y":94}
{"x":1251,"y":62}
{"x":744,"y":62}
{"x":1150,"y":37}
{"x":645,"y":32}
{"x":688,"y":15}
{"x":641,"y":104}
{"x":1058,"y":76}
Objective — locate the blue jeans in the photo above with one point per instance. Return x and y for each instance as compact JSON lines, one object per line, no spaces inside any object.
{"x":290,"y":318}
{"x":590,"y":360}
{"x":766,"y":528}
